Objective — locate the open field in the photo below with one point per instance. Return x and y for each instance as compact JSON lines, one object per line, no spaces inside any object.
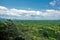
{"x":30,"y":30}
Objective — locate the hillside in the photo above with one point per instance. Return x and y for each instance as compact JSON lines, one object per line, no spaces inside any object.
{"x":30,"y":30}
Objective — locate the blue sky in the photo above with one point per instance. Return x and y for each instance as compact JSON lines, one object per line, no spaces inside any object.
{"x":25,"y":4}
{"x":37,"y":6}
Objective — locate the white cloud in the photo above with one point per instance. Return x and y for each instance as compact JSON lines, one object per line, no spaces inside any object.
{"x":28,"y":14}
{"x":55,"y":2}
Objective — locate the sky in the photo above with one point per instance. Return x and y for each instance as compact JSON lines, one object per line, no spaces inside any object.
{"x":30,"y":9}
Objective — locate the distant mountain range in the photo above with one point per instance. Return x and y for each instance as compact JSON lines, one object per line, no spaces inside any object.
{"x":14,"y":19}
{"x":2,"y":18}
{"x":7,"y":19}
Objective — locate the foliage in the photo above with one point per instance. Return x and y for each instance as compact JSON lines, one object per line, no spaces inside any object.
{"x":32,"y":29}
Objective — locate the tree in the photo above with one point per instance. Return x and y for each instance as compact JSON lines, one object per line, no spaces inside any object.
{"x":8,"y":30}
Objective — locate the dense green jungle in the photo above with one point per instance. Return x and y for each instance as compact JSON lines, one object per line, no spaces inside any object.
{"x":29,"y":29}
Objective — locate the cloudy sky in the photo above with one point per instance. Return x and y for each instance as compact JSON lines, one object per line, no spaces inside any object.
{"x":30,"y":9}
